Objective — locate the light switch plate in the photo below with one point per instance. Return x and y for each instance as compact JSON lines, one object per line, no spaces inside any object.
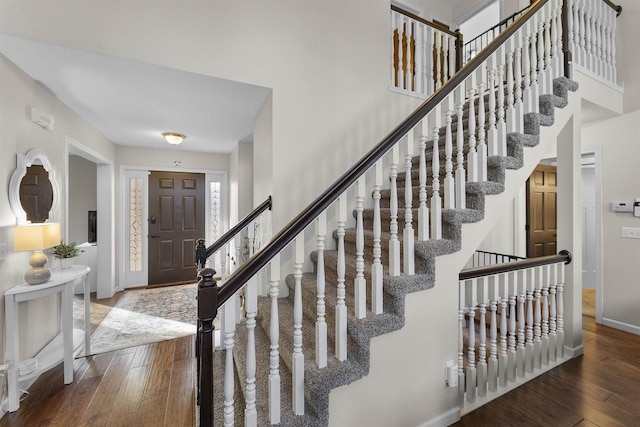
{"x":631,"y":232}
{"x":3,"y":250}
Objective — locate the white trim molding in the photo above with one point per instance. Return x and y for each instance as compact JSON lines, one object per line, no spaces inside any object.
{"x":627,"y":327}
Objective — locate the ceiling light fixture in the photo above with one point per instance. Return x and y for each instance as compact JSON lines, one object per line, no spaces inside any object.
{"x":173,"y":138}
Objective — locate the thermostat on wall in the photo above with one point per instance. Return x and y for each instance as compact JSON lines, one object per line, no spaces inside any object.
{"x":621,"y":207}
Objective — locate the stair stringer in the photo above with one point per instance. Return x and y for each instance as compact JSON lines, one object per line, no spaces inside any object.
{"x":407,"y":367}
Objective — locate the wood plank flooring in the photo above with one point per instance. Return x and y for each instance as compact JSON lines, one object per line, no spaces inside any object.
{"x":151,"y":385}
{"x":601,"y":388}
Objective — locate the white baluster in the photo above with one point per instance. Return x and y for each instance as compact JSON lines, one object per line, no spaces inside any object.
{"x":431,"y":65}
{"x":472,"y":155}
{"x":410,"y":58}
{"x":614,"y":77}
{"x":471,"y":356}
{"x":542,"y":82}
{"x":297,"y":358}
{"x":423,"y":211}
{"x":401,"y":50}
{"x":461,"y":305}
{"x":321,"y":324}
{"x":251,"y":237}
{"x":553,"y":326}
{"x":592,"y":31}
{"x":435,"y":122}
{"x":503,"y":359}
{"x":394,"y":243}
{"x":223,"y":262}
{"x":512,"y":327}
{"x":535,"y":88}
{"x":341,"y":308}
{"x":481,"y":286}
{"x":407,"y":236}
{"x":449,"y":183}
{"x":537,"y":321}
{"x":492,"y":134}
{"x":560,"y":309}
{"x":251,"y":307}
{"x":518,"y":105}
{"x":572,"y":28}
{"x":274,"y":336}
{"x":548,"y":70}
{"x":579,"y":56}
{"x":394,"y":52}
{"x":545,"y":317}
{"x":445,"y":60}
{"x":376,"y":267}
{"x":521,"y":300}
{"x":493,"y":349}
{"x":229,"y":330}
{"x":460,"y":179}
{"x":482,"y":145}
{"x":527,"y":101}
{"x":530,"y":345}
{"x":501,"y":126}
{"x":239,"y":309}
{"x":419,"y":58}
{"x":558,"y":55}
{"x":510,"y":111}
{"x":359,"y":282}
{"x":610,"y":17}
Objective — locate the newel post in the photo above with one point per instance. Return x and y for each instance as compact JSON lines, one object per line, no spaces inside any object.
{"x":459,"y":50}
{"x":207,"y":309}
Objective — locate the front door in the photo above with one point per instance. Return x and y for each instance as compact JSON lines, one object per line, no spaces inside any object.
{"x":176,"y":221}
{"x":541,"y":211}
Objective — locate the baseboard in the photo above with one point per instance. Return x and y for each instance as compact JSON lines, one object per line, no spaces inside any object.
{"x":621,"y":325}
{"x":574,"y":351}
{"x":444,"y":419}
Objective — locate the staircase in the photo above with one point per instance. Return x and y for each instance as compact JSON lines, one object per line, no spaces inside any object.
{"x":282,"y":373}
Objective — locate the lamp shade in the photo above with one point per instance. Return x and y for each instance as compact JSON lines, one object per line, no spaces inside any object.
{"x":36,"y":236}
{"x":173,"y":138}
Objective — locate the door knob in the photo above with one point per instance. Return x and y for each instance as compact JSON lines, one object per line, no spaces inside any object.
{"x":153,"y":236}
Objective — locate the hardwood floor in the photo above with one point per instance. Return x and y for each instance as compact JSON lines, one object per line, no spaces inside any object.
{"x":149,"y":385}
{"x":152,"y":385}
{"x":601,"y":388}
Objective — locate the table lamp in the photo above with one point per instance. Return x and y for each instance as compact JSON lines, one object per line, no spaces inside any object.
{"x":36,"y":237}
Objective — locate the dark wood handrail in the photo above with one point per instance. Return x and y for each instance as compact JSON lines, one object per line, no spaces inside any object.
{"x":472,"y":273}
{"x":613,"y":6}
{"x":226,"y":237}
{"x":309,"y":214}
{"x":424,"y":21}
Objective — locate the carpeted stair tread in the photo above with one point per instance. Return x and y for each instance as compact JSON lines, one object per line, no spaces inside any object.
{"x":318,"y":382}
{"x":263,"y":348}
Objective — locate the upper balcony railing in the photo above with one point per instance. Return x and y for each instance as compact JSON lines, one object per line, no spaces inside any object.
{"x":424,"y":54}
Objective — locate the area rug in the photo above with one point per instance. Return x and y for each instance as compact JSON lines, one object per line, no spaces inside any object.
{"x":147,"y":316}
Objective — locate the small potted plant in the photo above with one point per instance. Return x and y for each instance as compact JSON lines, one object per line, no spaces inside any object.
{"x":65,"y":252}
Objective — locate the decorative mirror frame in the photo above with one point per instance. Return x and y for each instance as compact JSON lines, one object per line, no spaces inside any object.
{"x":22,"y":163}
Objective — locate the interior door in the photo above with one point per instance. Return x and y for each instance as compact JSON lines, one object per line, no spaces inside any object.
{"x":176,"y":221}
{"x":541,"y":212}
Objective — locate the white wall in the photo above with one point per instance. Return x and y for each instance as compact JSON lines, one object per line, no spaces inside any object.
{"x":240,"y":181}
{"x":38,"y":319}
{"x":327,"y":63}
{"x":628,"y":60}
{"x":263,"y":152}
{"x":82,"y":197}
{"x":618,"y":138}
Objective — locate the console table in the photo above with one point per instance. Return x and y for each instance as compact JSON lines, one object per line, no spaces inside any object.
{"x":62,"y":281}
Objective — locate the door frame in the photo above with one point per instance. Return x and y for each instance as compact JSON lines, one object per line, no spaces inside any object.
{"x":520,"y":212}
{"x":129,"y":170}
{"x":105,"y":286}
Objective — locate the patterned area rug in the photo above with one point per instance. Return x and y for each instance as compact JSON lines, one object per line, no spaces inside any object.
{"x":145,"y":316}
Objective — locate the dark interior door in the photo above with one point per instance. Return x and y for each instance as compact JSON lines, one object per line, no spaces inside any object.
{"x":176,"y":221}
{"x":541,"y":212}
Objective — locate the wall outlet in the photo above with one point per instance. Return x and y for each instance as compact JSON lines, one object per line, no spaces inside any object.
{"x":631,"y":232}
{"x":3,"y":250}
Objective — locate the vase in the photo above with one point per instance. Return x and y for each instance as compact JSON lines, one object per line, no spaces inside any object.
{"x":66,"y":262}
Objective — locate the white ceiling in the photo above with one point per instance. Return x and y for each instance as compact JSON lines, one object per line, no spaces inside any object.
{"x":132,"y":103}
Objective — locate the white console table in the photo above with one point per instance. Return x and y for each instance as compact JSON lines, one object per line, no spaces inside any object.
{"x":62,"y":281}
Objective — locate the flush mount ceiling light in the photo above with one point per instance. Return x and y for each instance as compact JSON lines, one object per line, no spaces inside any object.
{"x":173,"y":138}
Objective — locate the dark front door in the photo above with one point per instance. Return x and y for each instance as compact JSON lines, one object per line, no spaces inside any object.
{"x":176,"y":221}
{"x":541,"y":211}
